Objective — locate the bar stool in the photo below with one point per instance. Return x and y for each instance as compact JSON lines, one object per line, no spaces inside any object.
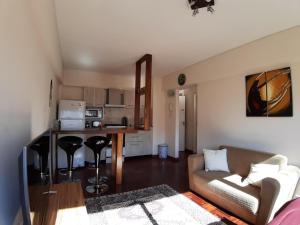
{"x":102,"y":179}
{"x":97,"y":144}
{"x":69,"y":144}
{"x":41,"y":146}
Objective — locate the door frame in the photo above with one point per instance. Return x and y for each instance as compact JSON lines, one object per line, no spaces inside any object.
{"x":177,"y":108}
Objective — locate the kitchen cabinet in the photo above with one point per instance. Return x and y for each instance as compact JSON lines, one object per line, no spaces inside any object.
{"x":71,"y":93}
{"x":94,"y":97}
{"x":129,"y":98}
{"x":100,"y":97}
{"x":89,"y":96}
{"x":115,"y":96}
{"x":138,"y":144}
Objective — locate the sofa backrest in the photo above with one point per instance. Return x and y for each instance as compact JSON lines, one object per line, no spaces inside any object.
{"x":240,"y":160}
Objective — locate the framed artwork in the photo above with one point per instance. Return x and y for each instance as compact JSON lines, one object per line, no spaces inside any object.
{"x":269,"y":94}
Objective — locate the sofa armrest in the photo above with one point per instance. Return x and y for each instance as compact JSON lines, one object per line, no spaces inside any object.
{"x":195,"y":162}
{"x":275,"y":192}
{"x":269,"y":192}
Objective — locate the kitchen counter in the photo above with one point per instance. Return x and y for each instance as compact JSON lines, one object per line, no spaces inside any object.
{"x":117,"y":135}
{"x":96,"y":131}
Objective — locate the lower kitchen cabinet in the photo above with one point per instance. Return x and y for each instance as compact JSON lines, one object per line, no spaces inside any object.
{"x":138,"y":144}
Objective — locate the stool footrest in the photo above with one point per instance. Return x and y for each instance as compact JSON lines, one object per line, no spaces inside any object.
{"x":103,"y":179}
{"x":97,"y":189}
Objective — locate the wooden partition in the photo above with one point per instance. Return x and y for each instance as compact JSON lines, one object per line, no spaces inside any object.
{"x":143,"y":90}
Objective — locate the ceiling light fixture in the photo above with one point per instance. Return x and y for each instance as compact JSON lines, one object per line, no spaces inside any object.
{"x":197,"y":4}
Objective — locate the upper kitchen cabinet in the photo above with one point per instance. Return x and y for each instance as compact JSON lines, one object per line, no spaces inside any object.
{"x":71,"y":93}
{"x":100,"y":97}
{"x":129,"y":96}
{"x":114,"y":98}
{"x":94,"y":97}
{"x":89,"y":96}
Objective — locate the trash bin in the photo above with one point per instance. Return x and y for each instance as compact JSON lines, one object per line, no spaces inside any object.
{"x":163,"y":151}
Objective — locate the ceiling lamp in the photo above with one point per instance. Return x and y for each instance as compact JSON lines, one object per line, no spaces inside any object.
{"x":197,"y":4}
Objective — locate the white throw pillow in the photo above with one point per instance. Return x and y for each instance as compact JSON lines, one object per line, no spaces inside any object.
{"x":260,"y":171}
{"x":215,"y":160}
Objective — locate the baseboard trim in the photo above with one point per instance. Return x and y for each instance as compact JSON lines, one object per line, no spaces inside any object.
{"x":173,"y":158}
{"x":189,"y":151}
{"x":168,"y":158}
{"x":138,"y":157}
{"x":150,"y":156}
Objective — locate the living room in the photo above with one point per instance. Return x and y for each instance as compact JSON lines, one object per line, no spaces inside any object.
{"x":242,"y":60}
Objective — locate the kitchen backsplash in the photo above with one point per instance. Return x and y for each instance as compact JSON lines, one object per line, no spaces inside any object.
{"x":114,"y":115}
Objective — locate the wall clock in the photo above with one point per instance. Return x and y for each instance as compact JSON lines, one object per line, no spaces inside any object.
{"x":181,"y":79}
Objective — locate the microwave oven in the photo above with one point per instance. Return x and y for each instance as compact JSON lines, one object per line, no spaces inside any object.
{"x":96,"y":113}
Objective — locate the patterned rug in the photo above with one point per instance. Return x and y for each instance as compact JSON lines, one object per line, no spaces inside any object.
{"x":159,"y":205}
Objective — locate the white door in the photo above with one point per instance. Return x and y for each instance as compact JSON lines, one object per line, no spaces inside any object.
{"x":181,"y":123}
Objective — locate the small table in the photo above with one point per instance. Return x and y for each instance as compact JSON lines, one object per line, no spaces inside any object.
{"x":117,"y":145}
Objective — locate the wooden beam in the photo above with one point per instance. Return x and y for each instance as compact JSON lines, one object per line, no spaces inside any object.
{"x":143,"y":91}
{"x":147,"y":114}
{"x":144,"y":58}
{"x":137,"y":95}
{"x":113,"y":153}
{"x":119,"y":172}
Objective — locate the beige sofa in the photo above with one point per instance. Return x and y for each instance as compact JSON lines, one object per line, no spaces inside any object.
{"x":253,"y":204}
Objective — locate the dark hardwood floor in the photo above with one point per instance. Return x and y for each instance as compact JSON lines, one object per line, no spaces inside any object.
{"x":150,"y":171}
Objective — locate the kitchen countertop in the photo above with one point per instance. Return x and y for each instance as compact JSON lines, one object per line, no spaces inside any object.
{"x":96,"y":131}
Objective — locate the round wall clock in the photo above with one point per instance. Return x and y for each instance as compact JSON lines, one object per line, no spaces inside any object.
{"x":181,"y":79}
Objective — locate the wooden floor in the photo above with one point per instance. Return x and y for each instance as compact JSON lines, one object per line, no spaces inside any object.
{"x":149,"y":171}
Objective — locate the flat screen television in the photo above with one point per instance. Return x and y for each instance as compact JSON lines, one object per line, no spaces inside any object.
{"x":34,"y":173}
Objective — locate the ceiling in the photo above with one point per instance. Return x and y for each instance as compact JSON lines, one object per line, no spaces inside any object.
{"x":109,"y":36}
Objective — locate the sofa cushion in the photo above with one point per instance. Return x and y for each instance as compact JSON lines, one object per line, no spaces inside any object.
{"x":260,"y":171}
{"x":240,"y":160}
{"x":215,"y":160}
{"x":232,"y":188}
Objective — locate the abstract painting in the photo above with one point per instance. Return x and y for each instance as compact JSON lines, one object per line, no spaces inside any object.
{"x":269,"y":94}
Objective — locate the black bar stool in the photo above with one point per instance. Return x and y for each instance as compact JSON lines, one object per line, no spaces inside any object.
{"x":97,"y":144}
{"x":41,"y":146}
{"x":69,"y":144}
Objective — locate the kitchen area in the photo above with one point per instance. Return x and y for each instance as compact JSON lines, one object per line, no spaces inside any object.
{"x":101,"y":120}
{"x":95,"y":108}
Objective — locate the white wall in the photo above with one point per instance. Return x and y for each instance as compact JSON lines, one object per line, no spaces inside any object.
{"x":158,"y":113}
{"x":29,"y":59}
{"x":81,"y":78}
{"x":172,"y":123}
{"x":221,"y":96}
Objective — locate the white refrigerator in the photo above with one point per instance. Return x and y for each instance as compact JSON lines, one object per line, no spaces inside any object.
{"x":71,"y":115}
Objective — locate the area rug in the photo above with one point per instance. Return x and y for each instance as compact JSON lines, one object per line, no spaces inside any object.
{"x":159,"y":205}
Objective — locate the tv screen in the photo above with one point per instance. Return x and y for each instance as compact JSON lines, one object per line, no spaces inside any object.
{"x":35,"y":167}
